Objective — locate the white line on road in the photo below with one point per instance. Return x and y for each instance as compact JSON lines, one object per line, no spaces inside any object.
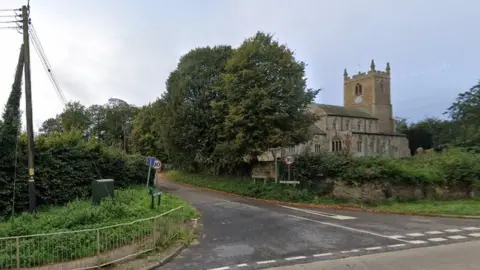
{"x":349,"y":228}
{"x":475,"y":234}
{"x":242,"y":265}
{"x":434,"y":232}
{"x":417,"y":242}
{"x":415,"y":234}
{"x":439,"y":239}
{"x":453,"y":230}
{"x":323,"y":255}
{"x":373,"y":248}
{"x":397,"y":236}
{"x":456,"y":237}
{"x":296,"y":258}
{"x":221,"y":268}
{"x":397,"y":245}
{"x":318,"y":213}
{"x":471,"y":228}
{"x":265,"y":262}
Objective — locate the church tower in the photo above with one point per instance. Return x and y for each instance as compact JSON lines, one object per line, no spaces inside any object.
{"x":371,"y":91}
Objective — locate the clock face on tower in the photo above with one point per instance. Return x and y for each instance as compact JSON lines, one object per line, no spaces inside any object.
{"x":358,"y":100}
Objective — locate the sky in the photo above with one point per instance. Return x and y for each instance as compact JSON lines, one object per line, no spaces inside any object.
{"x":126,"y":49}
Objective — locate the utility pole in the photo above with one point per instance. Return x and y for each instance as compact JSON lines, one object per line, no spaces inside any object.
{"x":28,"y":102}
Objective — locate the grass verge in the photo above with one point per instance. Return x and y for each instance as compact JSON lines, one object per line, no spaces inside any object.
{"x":80,"y":229}
{"x":286,"y":193}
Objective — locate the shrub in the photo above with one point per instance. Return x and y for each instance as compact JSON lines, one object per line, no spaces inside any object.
{"x":65,"y":166}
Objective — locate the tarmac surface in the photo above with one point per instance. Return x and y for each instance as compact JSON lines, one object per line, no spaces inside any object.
{"x":237,"y":233}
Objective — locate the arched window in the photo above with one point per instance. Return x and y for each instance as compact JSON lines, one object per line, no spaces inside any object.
{"x":334,"y":124}
{"x":358,"y":89}
{"x":382,"y":87}
{"x":336,"y":144}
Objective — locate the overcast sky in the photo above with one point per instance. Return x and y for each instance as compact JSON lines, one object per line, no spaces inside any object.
{"x":126,"y":49}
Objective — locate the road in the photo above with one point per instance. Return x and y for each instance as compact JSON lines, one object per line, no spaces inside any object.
{"x":237,"y":233}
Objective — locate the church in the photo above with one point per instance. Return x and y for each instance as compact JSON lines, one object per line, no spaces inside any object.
{"x":363,"y":126}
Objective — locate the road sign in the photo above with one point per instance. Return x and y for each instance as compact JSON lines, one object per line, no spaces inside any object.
{"x":157,"y":164}
{"x":150,"y":161}
{"x":289,"y":160}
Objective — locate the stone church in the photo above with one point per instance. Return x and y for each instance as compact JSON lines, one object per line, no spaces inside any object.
{"x":363,"y":126}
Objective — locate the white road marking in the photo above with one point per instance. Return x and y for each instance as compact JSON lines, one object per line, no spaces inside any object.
{"x":266,"y":262}
{"x":397,"y":245}
{"x":417,"y":242}
{"x":434,"y":232}
{"x":350,"y":251}
{"x":322,"y":255}
{"x":242,"y":265}
{"x":475,"y":234}
{"x":349,"y":228}
{"x":221,"y":268}
{"x":415,"y":234}
{"x":456,"y":237}
{"x":397,"y":236}
{"x":439,"y":239}
{"x":471,"y":228}
{"x":296,"y":258}
{"x":453,"y":230}
{"x":323,"y":214}
{"x":373,"y":248}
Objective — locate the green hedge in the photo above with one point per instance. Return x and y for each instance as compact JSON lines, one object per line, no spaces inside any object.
{"x":452,"y":168}
{"x":65,"y":166}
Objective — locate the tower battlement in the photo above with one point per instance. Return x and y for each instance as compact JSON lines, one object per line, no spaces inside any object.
{"x":362,"y":75}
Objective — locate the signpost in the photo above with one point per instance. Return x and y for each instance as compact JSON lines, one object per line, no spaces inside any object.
{"x":157,"y":164}
{"x":150,"y":161}
{"x":289,"y":160}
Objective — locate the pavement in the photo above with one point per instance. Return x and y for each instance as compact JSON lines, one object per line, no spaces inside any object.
{"x":238,"y":233}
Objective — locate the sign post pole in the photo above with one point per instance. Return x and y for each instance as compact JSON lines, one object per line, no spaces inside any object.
{"x":149,"y":164}
{"x":289,"y":160}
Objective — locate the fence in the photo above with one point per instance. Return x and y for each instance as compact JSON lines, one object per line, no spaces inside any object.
{"x":91,"y":248}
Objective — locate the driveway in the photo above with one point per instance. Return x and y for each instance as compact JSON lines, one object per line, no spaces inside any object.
{"x":238,"y":233}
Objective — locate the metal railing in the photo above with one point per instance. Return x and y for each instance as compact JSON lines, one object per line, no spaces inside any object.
{"x":91,"y":248}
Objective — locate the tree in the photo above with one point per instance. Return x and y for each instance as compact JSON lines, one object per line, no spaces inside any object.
{"x":146,"y":130}
{"x":51,"y":125}
{"x":263,"y":100}
{"x":189,"y":127}
{"x":75,"y":117}
{"x":465,"y":112}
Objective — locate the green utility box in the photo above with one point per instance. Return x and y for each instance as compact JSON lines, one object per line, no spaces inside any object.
{"x":102,"y":188}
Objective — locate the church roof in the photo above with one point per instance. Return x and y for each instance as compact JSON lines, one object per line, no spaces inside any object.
{"x":315,"y":130}
{"x":334,"y":110}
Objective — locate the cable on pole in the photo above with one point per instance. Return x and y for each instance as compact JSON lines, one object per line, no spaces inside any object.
{"x":46,"y":64}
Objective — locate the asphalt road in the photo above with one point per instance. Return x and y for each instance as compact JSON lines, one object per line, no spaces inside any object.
{"x":237,"y":233}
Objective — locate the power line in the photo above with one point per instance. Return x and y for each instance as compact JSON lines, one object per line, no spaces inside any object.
{"x":11,"y":9}
{"x":46,"y":64}
{"x":11,"y":22}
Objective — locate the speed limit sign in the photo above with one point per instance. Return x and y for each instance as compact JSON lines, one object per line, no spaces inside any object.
{"x":289,"y":160}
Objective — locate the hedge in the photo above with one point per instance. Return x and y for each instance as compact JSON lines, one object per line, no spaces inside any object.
{"x":452,"y":168}
{"x":65,"y":166}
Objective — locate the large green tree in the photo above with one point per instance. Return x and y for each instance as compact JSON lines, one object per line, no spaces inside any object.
{"x":75,"y":117}
{"x":189,"y":127}
{"x":263,"y":100}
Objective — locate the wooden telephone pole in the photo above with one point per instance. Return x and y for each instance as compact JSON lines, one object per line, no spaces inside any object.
{"x":28,"y":102}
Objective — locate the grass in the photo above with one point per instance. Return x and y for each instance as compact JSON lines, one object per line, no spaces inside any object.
{"x":286,"y":193}
{"x":128,"y":205}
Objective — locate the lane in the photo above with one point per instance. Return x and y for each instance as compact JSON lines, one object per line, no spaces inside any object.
{"x":239,"y":233}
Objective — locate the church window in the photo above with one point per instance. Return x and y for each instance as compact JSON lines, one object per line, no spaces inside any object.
{"x":358,"y":89}
{"x":334,"y":124}
{"x":336,"y":145}
{"x":372,"y":146}
{"x":369,"y":126}
{"x":347,"y":124}
{"x":382,"y":87}
{"x":359,"y":145}
{"x":318,"y":148}
{"x":359,"y":125}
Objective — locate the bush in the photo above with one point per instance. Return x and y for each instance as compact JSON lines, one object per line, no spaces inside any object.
{"x":65,"y":166}
{"x":82,"y":216}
